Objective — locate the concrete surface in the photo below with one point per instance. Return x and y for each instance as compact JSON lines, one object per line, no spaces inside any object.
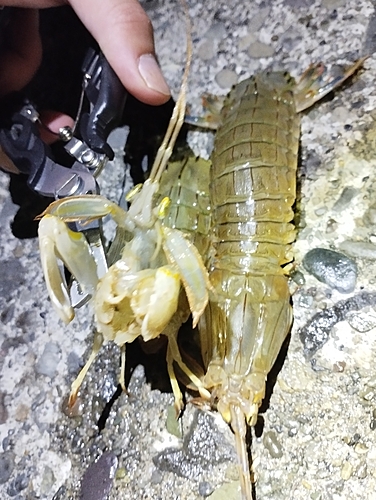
{"x":318,"y":441}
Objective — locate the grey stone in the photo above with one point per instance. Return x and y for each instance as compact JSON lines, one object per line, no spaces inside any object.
{"x":205,"y":489}
{"x":345,"y":198}
{"x":206,"y":51}
{"x":12,"y":277}
{"x":226,"y":78}
{"x":272,"y":444}
{"x":6,"y":466}
{"x":361,"y":249}
{"x":19,"y":484}
{"x":47,"y":363}
{"x":216,"y":31}
{"x":332,"y":268}
{"x":259,"y":49}
{"x":3,"y":408}
{"x":99,"y":477}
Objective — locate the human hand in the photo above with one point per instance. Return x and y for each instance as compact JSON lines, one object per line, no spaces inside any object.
{"x":121,"y":28}
{"x":123,"y":32}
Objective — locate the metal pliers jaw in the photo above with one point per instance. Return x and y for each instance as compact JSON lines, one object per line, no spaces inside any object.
{"x":104,"y":97}
{"x":32,"y":156}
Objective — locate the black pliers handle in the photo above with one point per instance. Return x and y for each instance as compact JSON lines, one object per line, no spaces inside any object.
{"x":105,"y":97}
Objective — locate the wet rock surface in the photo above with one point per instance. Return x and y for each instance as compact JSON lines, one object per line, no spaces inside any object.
{"x":321,"y":415}
{"x":317,"y":331}
{"x":202,"y":448}
{"x":97,"y":481}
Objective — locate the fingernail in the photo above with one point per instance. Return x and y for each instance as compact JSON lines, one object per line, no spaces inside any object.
{"x":152,"y":75}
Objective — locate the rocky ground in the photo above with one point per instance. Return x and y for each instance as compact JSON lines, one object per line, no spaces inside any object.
{"x":316,"y":437}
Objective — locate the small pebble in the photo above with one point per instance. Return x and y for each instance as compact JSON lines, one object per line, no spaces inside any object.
{"x":362,"y":471}
{"x":205,"y":489}
{"x":372,"y":382}
{"x":232,"y":473}
{"x":315,"y":496}
{"x":61,"y":493}
{"x":339,"y":367}
{"x":98,"y":479}
{"x":216,"y":31}
{"x":246,"y":41}
{"x":156,"y":477}
{"x":332,"y":268}
{"x":292,"y":432}
{"x":306,"y":300}
{"x":369,"y":218}
{"x":47,"y":363}
{"x":39,"y":400}
{"x":346,"y":470}
{"x":321,"y":211}
{"x":48,"y":480}
{"x":226,"y":491}
{"x":121,"y":473}
{"x":306,"y":484}
{"x":369,"y":44}
{"x":3,"y":409}
{"x":361,"y":449}
{"x":6,"y":466}
{"x":297,"y":4}
{"x":345,"y":198}
{"x":367,"y":393}
{"x":73,"y":363}
{"x":361,"y":322}
{"x":173,"y":425}
{"x":361,"y":249}
{"x":7,"y":314}
{"x":298,"y":277}
{"x":137,"y":380}
{"x":206,"y":51}
{"x":272,"y":444}
{"x":258,"y":19}
{"x":331,"y":226}
{"x":226,"y":78}
{"x":259,"y":49}
{"x":333,"y":4}
{"x":19,"y":484}
{"x":22,"y":412}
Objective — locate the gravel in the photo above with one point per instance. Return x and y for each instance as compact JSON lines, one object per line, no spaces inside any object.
{"x":315,"y":405}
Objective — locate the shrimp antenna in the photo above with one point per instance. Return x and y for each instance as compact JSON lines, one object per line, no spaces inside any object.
{"x":177,"y":118}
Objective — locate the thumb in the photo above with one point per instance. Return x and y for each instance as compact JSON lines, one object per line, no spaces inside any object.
{"x":125,"y":35}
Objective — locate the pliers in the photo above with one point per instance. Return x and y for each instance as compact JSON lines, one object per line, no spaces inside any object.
{"x":104,"y":97}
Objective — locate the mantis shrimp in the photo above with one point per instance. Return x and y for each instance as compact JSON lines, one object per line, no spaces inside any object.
{"x":242,"y":303}
{"x":252,"y":191}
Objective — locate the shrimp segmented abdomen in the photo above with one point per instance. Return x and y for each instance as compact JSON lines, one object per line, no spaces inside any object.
{"x":252,"y":192}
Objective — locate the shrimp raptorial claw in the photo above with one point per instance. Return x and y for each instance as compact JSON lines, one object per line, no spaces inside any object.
{"x":57,"y":241}
{"x":139,"y":295}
